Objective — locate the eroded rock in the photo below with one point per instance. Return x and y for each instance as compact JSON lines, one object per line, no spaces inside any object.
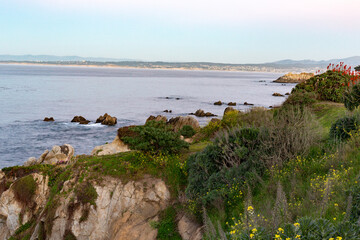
{"x":117,"y":146}
{"x":107,"y":120}
{"x":178,"y":123}
{"x":80,"y":119}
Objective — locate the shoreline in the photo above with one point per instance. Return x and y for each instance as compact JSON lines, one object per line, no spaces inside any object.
{"x":225,"y":69}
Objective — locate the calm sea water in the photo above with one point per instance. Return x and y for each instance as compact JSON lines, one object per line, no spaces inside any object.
{"x":30,"y":93}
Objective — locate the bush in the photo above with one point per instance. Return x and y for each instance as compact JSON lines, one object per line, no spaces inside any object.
{"x":302,"y":98}
{"x":86,"y":193}
{"x":230,"y":159}
{"x":155,"y":137}
{"x":187,"y":131}
{"x":352,"y":98}
{"x":24,"y":189}
{"x":343,"y":127}
{"x":329,"y":86}
{"x":357,"y":68}
{"x":167,"y":229}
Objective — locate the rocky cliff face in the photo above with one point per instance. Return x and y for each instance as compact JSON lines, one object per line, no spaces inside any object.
{"x":122,"y":210}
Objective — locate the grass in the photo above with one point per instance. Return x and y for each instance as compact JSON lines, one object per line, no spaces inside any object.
{"x":166,"y":226}
{"x":24,"y":189}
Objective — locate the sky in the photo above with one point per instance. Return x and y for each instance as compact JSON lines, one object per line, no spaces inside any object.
{"x":228,"y":31}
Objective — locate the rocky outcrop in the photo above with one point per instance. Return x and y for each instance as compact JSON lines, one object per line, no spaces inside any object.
{"x":277,"y":95}
{"x":158,"y":118}
{"x":202,"y":113}
{"x":230,"y":109}
{"x":178,"y":123}
{"x":49,"y":119}
{"x":117,"y":146}
{"x":57,"y":155}
{"x":107,"y":120}
{"x":123,"y":211}
{"x":80,"y":119}
{"x":294,"y":78}
{"x":11,"y":209}
{"x":189,"y":229}
{"x":167,"y":111}
{"x":219,"y":103}
{"x":248,"y":104}
{"x":232,"y":104}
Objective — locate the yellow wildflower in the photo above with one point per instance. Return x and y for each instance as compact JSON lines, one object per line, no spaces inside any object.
{"x":298,"y":236}
{"x":251,"y":235}
{"x":297,"y":224}
{"x":250,"y":208}
{"x":338,"y":238}
{"x":281,"y":230}
{"x":254,"y":230}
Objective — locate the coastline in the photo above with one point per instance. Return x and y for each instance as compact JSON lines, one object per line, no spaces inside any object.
{"x":226,"y":68}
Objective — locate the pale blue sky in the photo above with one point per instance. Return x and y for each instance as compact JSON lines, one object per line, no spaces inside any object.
{"x":228,"y":31}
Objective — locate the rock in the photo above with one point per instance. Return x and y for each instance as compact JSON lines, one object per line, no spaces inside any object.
{"x":249,"y":104}
{"x":294,"y":78}
{"x":80,"y":119}
{"x":178,"y":122}
{"x":117,"y":146}
{"x":277,"y":95}
{"x":107,"y":120}
{"x":50,"y":119}
{"x":31,"y":161}
{"x":123,"y":211}
{"x":57,"y":155}
{"x":219,"y":103}
{"x":10,"y":208}
{"x":201,"y":113}
{"x":232,"y":104}
{"x":168,"y":111}
{"x":287,"y":94}
{"x":158,"y":118}
{"x":215,"y":120}
{"x":189,"y":229}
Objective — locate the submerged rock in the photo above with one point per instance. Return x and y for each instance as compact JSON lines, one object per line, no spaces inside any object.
{"x":80,"y":119}
{"x":248,"y":104}
{"x":49,"y":119}
{"x":107,"y":120}
{"x":202,"y":113}
{"x":277,"y":95}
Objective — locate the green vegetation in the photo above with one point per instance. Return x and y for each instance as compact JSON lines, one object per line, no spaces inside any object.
{"x":352,"y":98}
{"x":166,"y":226}
{"x":329,"y":86}
{"x":187,"y":131}
{"x":357,"y":68}
{"x":24,"y":189}
{"x":344,"y":127}
{"x":155,"y":136}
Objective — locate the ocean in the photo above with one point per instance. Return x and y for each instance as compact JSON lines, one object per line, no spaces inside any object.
{"x":28,"y":93}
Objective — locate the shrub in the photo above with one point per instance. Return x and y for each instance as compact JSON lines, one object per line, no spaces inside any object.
{"x":167,"y":229}
{"x":86,"y":193}
{"x":155,"y":136}
{"x":352,"y":98}
{"x":187,"y":131}
{"x":291,"y":132}
{"x":211,"y":128}
{"x":24,"y":189}
{"x":357,"y":68}
{"x":343,"y":127}
{"x":230,"y":159}
{"x":301,"y":98}
{"x":329,"y":86}
{"x":231,"y":119}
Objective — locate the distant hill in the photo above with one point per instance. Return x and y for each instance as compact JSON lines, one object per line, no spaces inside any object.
{"x":352,"y":61}
{"x":51,"y":58}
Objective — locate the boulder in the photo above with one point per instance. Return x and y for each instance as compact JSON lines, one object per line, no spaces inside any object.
{"x":248,"y":104}
{"x":294,"y":78}
{"x":117,"y":146}
{"x":80,"y":119}
{"x":167,"y":111}
{"x":31,"y":161}
{"x":202,"y":113}
{"x":277,"y":95}
{"x":158,"y":118}
{"x":189,"y":229}
{"x":107,"y":120}
{"x":287,"y":94}
{"x":178,"y":122}
{"x":57,"y":155}
{"x":219,"y":103}
{"x":232,"y":104}
{"x":49,"y":119}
